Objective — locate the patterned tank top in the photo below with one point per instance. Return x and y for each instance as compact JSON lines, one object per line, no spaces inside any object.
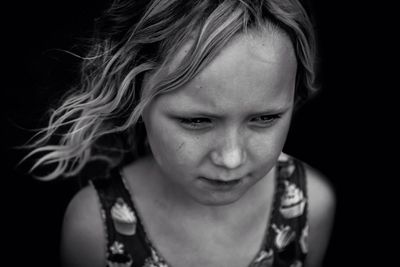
{"x":285,"y":240}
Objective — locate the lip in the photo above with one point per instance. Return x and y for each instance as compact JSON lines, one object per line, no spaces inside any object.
{"x":219,"y":184}
{"x":222,"y":180}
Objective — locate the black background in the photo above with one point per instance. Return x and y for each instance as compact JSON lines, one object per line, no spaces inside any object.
{"x":334,"y":132}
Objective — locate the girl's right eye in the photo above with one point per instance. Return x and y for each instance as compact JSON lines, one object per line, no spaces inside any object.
{"x":195,"y":123}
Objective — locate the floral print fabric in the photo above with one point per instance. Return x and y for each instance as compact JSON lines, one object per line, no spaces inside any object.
{"x":285,"y":244}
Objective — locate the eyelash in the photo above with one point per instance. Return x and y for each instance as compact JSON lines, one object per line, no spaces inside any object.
{"x":190,"y":122}
{"x":199,"y":123}
{"x":271,"y":119}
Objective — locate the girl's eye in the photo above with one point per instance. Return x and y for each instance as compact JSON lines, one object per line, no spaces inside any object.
{"x":265,"y":120}
{"x":195,"y":123}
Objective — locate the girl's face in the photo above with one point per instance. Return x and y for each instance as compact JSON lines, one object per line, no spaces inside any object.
{"x":220,"y":134}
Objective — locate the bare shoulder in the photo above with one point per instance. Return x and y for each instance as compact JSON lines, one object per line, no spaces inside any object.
{"x":321,"y":193}
{"x":83,"y":238}
{"x":322,"y":203}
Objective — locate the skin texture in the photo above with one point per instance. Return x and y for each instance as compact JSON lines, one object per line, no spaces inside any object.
{"x":236,"y":115}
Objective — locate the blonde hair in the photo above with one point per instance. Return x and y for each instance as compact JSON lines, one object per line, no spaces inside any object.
{"x":100,"y":118}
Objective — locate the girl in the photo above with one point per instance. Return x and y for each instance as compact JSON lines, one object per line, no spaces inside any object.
{"x":189,"y":104}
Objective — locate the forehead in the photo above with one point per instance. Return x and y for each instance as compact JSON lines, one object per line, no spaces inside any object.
{"x":252,"y":71}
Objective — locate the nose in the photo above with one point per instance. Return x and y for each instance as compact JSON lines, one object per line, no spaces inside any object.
{"x":231,"y":153}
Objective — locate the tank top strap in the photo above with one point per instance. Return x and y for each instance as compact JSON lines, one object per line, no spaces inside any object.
{"x":292,"y":190}
{"x":125,"y":245}
{"x":288,"y":229}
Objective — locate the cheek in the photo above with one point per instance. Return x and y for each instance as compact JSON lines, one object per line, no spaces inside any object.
{"x":268,"y":145}
{"x":171,"y":148}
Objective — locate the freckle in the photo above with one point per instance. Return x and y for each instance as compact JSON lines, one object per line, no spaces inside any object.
{"x":180,"y":146}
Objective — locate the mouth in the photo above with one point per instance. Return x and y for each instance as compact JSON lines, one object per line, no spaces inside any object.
{"x":221,"y":183}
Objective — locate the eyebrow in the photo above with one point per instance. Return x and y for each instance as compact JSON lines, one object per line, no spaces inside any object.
{"x":201,"y":112}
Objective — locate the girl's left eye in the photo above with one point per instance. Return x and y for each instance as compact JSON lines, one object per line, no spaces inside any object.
{"x":195,"y":123}
{"x":266,"y":120}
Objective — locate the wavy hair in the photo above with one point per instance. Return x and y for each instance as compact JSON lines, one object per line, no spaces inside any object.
{"x":101,"y":117}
